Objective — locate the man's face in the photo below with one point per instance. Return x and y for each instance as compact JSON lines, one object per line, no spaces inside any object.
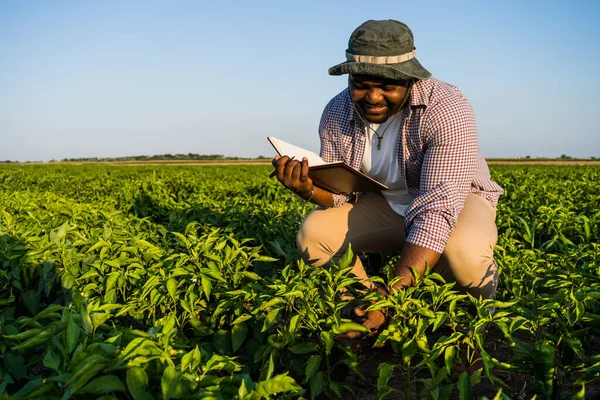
{"x":376,"y":98}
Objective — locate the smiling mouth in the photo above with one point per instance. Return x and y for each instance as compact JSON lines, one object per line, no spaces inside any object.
{"x":374,"y":109}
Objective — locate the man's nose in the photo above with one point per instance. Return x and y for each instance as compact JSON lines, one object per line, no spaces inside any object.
{"x":374,"y":95}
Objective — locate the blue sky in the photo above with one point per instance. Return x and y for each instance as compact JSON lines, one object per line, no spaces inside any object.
{"x":116,"y":78}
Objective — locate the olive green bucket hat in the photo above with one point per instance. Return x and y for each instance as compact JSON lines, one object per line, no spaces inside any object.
{"x":382,"y":48}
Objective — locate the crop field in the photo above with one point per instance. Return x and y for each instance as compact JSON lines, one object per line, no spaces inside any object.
{"x":169,"y":282}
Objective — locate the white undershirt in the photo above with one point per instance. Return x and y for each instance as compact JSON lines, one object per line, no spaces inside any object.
{"x":382,"y":165}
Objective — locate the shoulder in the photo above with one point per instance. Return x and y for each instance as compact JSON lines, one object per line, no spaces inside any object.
{"x":447,"y":115}
{"x":433,"y":93}
{"x":442,"y":102}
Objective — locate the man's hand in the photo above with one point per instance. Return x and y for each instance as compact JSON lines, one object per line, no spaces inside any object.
{"x":293,"y":174}
{"x":373,"y":320}
{"x":416,"y":257}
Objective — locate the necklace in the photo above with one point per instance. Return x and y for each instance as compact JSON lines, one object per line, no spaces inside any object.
{"x":379,"y":137}
{"x":368,"y":125}
{"x":389,"y":121}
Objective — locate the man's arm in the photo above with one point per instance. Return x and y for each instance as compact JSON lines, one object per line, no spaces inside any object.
{"x":416,"y":257}
{"x":447,"y":172}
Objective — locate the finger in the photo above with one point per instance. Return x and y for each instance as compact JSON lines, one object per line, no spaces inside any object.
{"x":280,"y":167}
{"x":296,"y":171}
{"x":289,"y":168}
{"x":304,"y":170}
{"x":360,"y":311}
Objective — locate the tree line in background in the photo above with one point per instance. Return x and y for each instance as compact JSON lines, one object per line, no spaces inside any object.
{"x":158,"y":157}
{"x":220,"y":157}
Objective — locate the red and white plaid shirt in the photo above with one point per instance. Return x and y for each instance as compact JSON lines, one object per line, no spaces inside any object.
{"x":438,"y":157}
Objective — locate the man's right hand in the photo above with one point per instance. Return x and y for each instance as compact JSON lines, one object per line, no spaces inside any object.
{"x":293,"y":174}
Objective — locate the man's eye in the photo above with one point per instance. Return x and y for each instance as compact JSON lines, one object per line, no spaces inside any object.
{"x":389,"y":88}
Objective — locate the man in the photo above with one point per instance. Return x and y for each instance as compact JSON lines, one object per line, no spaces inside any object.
{"x":417,"y":135}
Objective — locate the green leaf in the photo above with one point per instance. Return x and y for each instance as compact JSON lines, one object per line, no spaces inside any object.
{"x":409,"y":348}
{"x":312,"y":366}
{"x":99,"y":318}
{"x":51,"y":360}
{"x":15,"y":364}
{"x":31,"y":299}
{"x":206,"y":286}
{"x":238,"y":335}
{"x":439,"y":320}
{"x":85,"y":371}
{"x":221,"y":363}
{"x":42,"y":337}
{"x":346,"y":327}
{"x":347,"y":258}
{"x":385,"y":373}
{"x":327,"y":338}
{"x":317,"y":384}
{"x":72,"y":335}
{"x":271,"y":319}
{"x":137,"y":381}
{"x":191,"y":360}
{"x":241,"y":318}
{"x":33,"y":389}
{"x":303,"y":348}
{"x":182,"y":238}
{"x":579,"y":395}
{"x":270,"y":367}
{"x":113,"y":277}
{"x":449,"y":357}
{"x":222,"y":341}
{"x":103,"y":384}
{"x":464,"y":386}
{"x":170,"y":383}
{"x":172,"y":288}
{"x":294,"y":324}
{"x":24,"y":335}
{"x":278,"y":384}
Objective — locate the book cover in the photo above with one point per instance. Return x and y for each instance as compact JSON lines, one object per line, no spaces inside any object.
{"x":336,"y":177}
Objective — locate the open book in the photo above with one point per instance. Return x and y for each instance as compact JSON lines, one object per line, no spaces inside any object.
{"x":336,"y":177}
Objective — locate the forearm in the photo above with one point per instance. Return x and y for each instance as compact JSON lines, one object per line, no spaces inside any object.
{"x":416,"y":257}
{"x":320,"y":197}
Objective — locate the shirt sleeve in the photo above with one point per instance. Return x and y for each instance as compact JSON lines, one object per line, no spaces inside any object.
{"x":447,"y":171}
{"x":330,"y":153}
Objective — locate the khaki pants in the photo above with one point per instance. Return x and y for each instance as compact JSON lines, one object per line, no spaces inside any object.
{"x":371,"y":225}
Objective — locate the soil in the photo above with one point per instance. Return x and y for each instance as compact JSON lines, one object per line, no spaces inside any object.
{"x":519,"y":386}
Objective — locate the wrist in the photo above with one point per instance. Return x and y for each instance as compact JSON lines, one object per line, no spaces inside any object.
{"x":306,"y":195}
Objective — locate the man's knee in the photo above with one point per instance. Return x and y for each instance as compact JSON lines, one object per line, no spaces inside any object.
{"x":474,"y":269}
{"x":313,"y":245}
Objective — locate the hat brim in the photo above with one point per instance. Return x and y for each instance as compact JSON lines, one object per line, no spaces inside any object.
{"x":406,"y":70}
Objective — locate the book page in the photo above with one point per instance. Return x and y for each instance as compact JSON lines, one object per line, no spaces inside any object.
{"x":287,"y":149}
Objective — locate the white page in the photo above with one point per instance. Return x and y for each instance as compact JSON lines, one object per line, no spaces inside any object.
{"x":287,"y":149}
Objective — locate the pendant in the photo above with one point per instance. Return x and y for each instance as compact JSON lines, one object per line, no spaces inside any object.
{"x":379,"y":142}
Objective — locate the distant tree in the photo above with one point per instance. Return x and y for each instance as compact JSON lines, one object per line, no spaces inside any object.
{"x":528,"y":157}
